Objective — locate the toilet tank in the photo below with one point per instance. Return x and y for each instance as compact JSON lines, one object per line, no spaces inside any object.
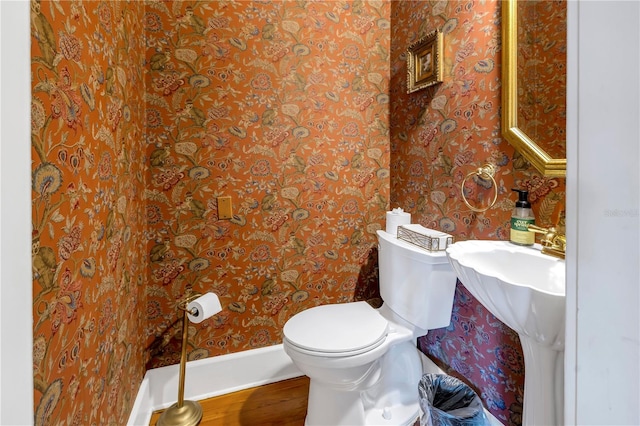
{"x":415,"y":284}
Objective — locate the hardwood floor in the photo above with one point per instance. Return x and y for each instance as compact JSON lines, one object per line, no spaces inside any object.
{"x":283,"y":403}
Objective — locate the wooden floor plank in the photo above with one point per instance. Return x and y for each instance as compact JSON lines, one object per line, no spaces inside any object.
{"x":282,"y":403}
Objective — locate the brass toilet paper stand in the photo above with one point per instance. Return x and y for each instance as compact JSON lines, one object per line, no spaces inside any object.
{"x":183,"y":413}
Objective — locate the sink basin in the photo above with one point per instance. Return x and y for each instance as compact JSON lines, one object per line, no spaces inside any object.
{"x":524,"y":289}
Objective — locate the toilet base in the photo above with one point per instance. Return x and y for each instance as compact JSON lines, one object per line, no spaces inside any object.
{"x":387,"y":394}
{"x":411,"y":413}
{"x":347,"y":408}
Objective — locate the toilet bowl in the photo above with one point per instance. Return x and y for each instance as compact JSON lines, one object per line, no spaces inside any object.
{"x":363,"y":364}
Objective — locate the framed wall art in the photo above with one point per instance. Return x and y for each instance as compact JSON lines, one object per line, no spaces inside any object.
{"x":424,"y":62}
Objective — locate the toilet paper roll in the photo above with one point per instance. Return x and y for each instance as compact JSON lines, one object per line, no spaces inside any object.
{"x":203,"y":307}
{"x":395,"y":218}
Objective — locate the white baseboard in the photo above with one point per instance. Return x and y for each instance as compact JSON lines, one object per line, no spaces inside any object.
{"x":209,"y":377}
{"x":224,"y":374}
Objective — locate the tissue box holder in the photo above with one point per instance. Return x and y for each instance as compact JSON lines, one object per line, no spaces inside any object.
{"x":427,"y":242}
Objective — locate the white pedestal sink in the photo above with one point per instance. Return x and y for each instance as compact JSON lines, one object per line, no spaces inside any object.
{"x":524,"y":289}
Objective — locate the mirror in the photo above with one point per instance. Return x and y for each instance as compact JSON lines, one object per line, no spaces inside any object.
{"x":534,"y":35}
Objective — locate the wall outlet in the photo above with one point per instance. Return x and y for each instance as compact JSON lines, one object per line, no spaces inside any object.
{"x":224,"y":207}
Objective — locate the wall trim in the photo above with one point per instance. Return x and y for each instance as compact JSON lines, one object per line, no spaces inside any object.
{"x":209,"y":377}
{"x":16,"y":281}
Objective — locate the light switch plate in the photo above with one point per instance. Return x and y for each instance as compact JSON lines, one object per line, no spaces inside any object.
{"x":225,"y":210}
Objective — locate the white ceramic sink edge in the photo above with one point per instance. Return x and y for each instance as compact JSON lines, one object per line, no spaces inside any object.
{"x":522,"y":287}
{"x":513,"y":264}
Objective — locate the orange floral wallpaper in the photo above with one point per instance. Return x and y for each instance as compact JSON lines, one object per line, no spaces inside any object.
{"x":89,"y":177}
{"x":284,"y":107}
{"x":441,"y":134}
{"x":438,"y":136}
{"x":542,"y":61}
{"x":143,"y":113}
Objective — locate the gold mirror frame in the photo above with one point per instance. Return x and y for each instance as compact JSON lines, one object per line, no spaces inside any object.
{"x":530,"y":150}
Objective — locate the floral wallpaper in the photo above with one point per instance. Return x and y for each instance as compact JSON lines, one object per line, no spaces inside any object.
{"x":89,"y":175}
{"x":438,"y":136}
{"x":143,"y":113}
{"x":542,"y":61}
{"x":283,"y":106}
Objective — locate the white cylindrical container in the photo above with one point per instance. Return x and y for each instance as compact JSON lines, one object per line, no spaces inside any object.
{"x":395,"y":218}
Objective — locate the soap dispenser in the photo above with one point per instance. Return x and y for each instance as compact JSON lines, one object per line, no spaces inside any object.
{"x":521,"y":218}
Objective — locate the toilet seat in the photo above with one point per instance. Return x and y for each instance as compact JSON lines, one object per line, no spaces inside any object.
{"x":336,"y":330}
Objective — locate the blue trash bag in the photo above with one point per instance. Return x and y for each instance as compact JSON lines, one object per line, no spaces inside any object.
{"x":447,"y":401}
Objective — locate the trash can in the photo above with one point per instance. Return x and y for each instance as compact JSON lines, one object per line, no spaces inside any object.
{"x":447,"y":401}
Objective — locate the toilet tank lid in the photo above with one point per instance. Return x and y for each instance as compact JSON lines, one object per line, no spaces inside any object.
{"x":336,"y":328}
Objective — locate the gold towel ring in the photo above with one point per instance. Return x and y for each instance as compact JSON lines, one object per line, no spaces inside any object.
{"x":485,"y":172}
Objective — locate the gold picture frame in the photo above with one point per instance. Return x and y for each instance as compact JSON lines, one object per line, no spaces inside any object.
{"x":424,"y":62}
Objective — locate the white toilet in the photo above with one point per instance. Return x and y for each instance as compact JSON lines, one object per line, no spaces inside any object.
{"x":362,"y":362}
